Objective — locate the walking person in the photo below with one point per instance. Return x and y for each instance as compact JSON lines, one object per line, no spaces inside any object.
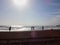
{"x":32,"y":28}
{"x":42,"y":27}
{"x":9,"y":28}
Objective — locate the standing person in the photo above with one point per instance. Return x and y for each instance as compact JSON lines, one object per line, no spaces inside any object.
{"x":32,"y":28}
{"x":9,"y":28}
{"x":42,"y":27}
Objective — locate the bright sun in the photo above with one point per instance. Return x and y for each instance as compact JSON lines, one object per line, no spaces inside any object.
{"x":20,"y":3}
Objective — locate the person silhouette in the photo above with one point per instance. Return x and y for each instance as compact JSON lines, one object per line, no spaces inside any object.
{"x":42,"y":27}
{"x":32,"y":28}
{"x":10,"y":28}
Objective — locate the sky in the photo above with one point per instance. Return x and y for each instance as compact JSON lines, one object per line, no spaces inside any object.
{"x":30,"y":12}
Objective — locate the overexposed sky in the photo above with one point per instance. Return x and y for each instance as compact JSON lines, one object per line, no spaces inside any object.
{"x":29,"y":12}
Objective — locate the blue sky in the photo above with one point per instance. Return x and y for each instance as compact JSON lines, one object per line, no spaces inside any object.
{"x":38,"y":12}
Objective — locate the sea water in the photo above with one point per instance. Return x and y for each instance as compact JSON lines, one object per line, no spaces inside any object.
{"x":27,"y":28}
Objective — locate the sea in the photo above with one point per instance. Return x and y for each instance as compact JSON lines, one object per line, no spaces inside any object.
{"x":26,"y":28}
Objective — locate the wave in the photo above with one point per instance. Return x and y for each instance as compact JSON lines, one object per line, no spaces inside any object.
{"x":26,"y":28}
